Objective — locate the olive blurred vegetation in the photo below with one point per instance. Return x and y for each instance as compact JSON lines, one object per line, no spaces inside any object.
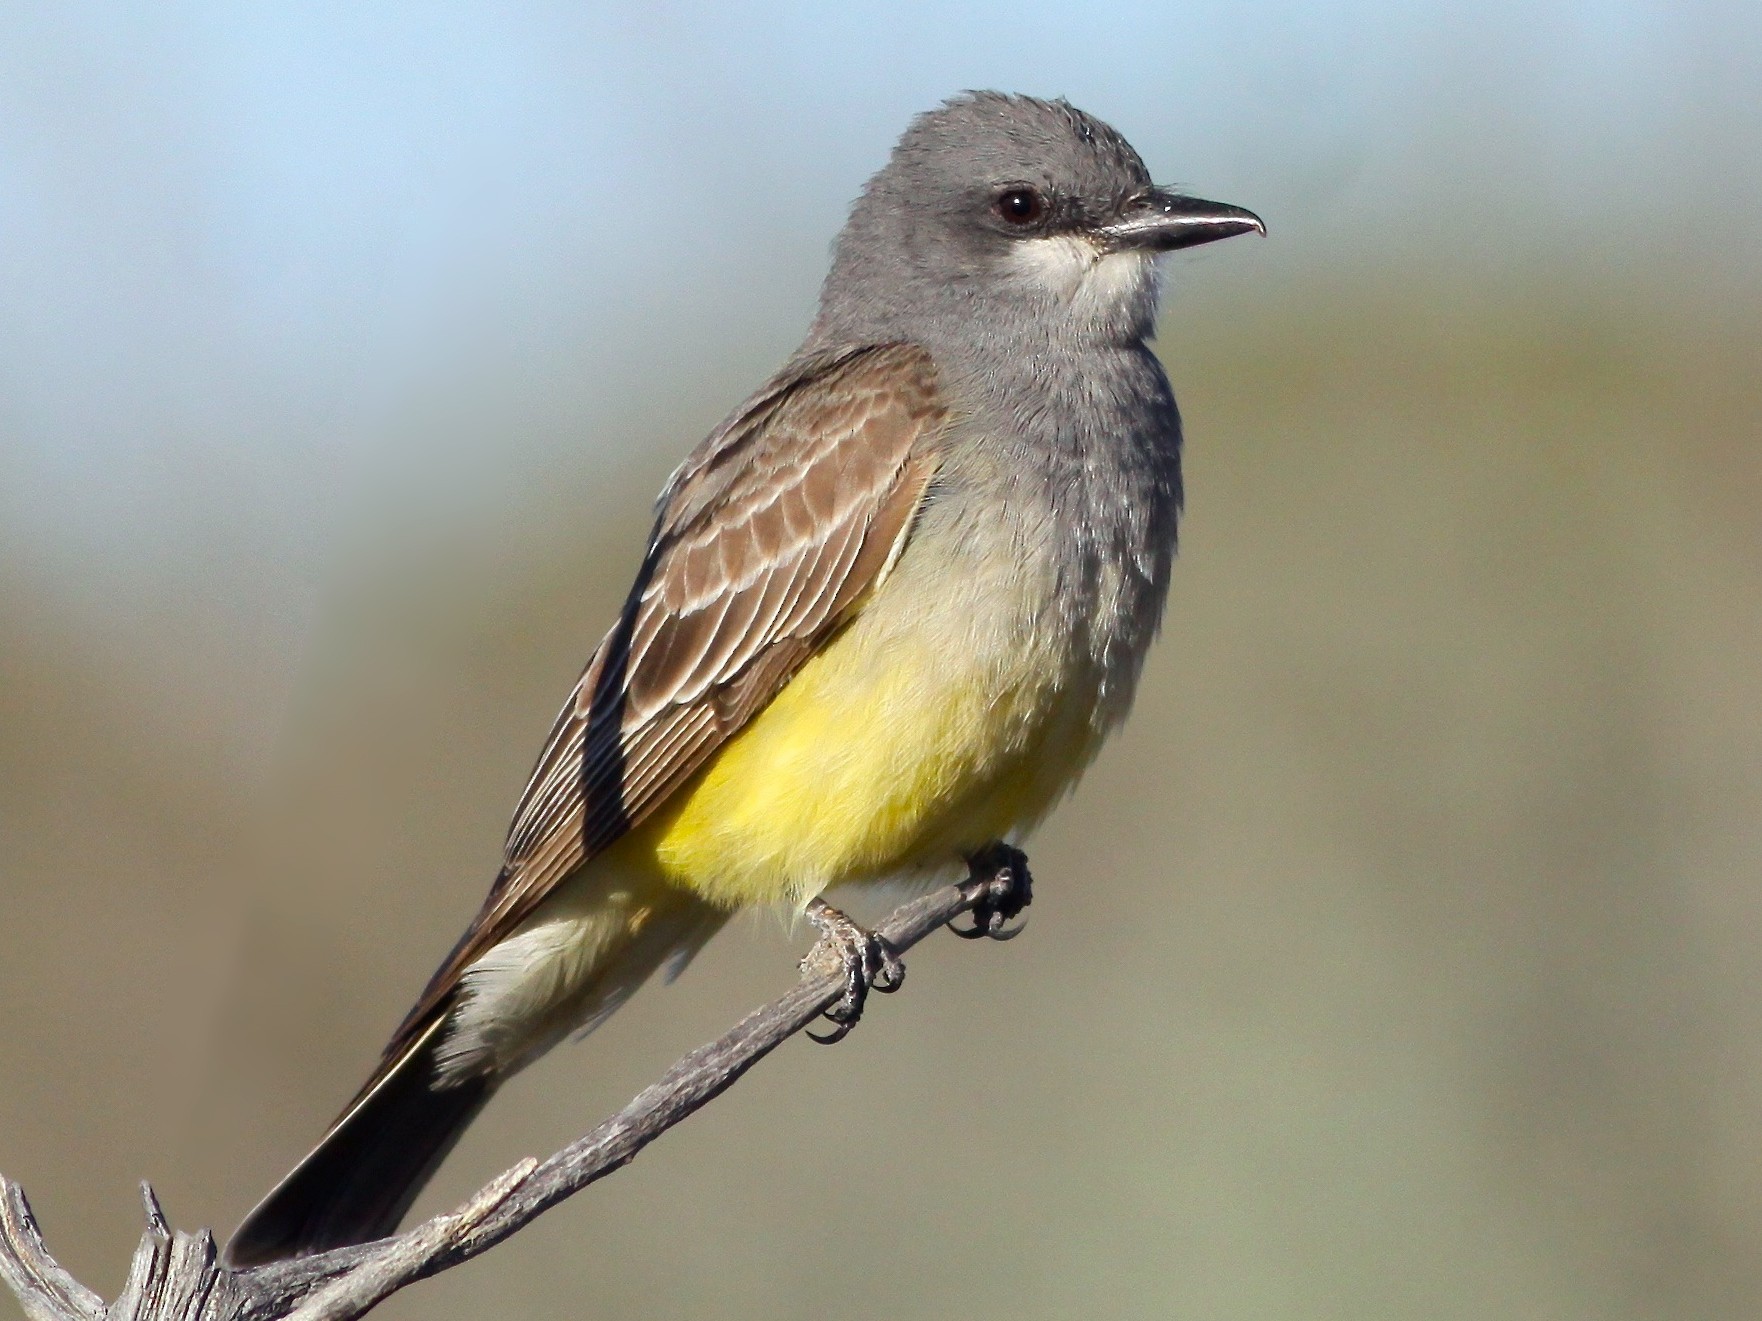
{"x":1400,"y":959}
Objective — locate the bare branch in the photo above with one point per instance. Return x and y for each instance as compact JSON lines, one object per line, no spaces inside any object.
{"x":178,"y":1277}
{"x":409,"y":1256}
{"x":47,"y":1292}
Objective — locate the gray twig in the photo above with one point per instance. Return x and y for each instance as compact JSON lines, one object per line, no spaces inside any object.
{"x":178,"y":1277}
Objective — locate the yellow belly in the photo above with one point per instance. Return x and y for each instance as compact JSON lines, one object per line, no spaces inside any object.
{"x":884,"y":753}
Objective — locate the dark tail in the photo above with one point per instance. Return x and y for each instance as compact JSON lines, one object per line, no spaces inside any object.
{"x":358,"y":1182}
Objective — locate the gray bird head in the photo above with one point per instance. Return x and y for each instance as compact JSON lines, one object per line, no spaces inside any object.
{"x":1016,"y":214}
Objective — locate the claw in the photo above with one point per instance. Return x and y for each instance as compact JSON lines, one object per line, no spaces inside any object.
{"x":869,"y":965}
{"x":1008,"y":890}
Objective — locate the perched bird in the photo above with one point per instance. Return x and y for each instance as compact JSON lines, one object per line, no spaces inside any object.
{"x":888,"y":612}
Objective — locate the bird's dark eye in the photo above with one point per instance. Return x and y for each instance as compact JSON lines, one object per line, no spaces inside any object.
{"x":1020,"y":206}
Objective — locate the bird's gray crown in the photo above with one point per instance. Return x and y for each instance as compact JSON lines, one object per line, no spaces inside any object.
{"x":984,"y":140}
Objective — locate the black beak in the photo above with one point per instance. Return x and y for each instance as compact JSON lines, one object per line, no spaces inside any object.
{"x":1162,"y":221}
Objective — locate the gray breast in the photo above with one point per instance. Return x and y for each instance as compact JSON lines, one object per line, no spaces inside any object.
{"x":1066,"y":469}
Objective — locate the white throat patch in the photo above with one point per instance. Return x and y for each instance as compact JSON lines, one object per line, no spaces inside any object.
{"x":1099,"y":287}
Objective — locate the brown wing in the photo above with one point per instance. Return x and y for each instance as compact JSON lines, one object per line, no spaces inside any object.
{"x":768,"y":537}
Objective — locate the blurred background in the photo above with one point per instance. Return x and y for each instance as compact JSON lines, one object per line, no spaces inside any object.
{"x":1403,"y":958}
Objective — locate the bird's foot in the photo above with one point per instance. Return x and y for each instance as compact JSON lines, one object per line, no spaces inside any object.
{"x":1008,"y":890}
{"x":868,"y":961}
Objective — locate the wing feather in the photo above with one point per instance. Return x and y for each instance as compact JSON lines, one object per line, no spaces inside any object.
{"x":767,"y":537}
